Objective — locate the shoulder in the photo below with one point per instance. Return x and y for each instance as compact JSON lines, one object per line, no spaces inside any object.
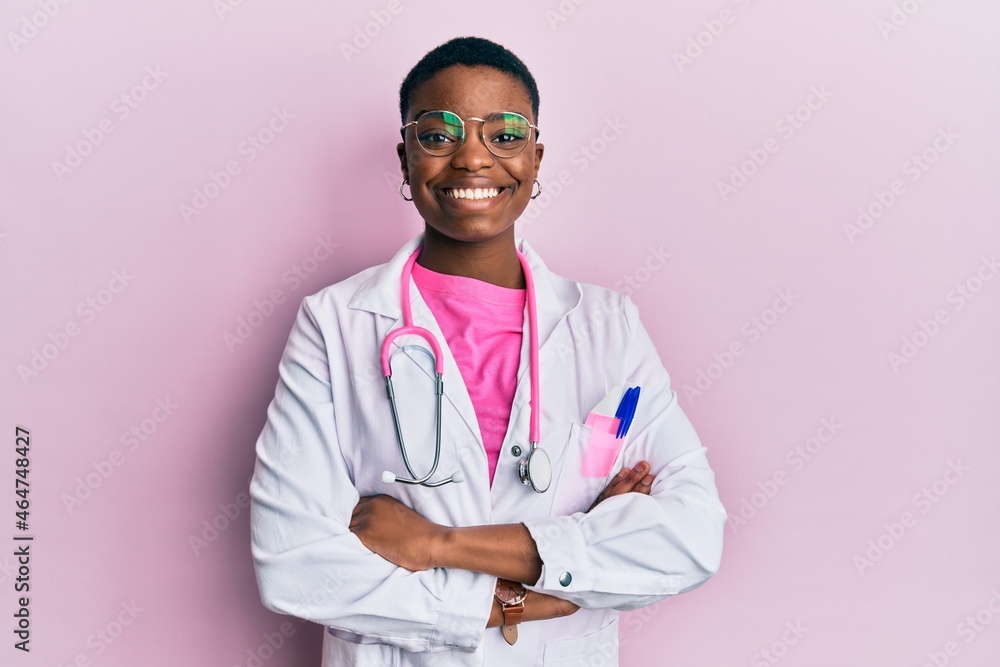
{"x":327,"y":313}
{"x":603,"y":306}
{"x":335,"y":297}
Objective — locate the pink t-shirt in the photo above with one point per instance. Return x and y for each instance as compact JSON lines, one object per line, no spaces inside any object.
{"x":482,"y":325}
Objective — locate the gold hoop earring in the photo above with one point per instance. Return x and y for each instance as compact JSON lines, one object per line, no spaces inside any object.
{"x":405,"y":181}
{"x":539,"y":189}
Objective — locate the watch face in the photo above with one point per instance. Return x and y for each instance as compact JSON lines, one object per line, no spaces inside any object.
{"x":510,"y":595}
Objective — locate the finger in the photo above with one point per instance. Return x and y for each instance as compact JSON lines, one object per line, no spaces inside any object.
{"x":618,"y":490}
{"x":638,"y":472}
{"x":613,"y":487}
{"x":645,"y":484}
{"x":616,"y":479}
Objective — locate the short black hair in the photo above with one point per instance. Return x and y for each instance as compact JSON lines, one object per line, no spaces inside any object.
{"x":469,"y":51}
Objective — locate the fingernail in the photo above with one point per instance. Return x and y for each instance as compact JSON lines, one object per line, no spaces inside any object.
{"x":647,"y":480}
{"x":641,"y":467}
{"x":623,"y":471}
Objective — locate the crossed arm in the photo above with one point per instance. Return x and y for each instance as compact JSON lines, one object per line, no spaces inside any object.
{"x":315,"y":561}
{"x":403,"y":537}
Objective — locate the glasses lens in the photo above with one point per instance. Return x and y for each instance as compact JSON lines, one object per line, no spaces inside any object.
{"x":439,"y":132}
{"x":507,"y":133}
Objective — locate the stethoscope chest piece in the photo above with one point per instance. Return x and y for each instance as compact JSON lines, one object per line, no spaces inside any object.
{"x":535,"y":470}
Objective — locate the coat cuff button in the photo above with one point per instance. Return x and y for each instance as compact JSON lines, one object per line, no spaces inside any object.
{"x":565,"y":579}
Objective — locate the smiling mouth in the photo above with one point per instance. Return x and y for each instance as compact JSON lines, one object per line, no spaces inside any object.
{"x":472,"y":193}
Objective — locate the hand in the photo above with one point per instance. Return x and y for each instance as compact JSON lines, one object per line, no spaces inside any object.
{"x":625,"y":481}
{"x":537,"y":607}
{"x":396,"y":533}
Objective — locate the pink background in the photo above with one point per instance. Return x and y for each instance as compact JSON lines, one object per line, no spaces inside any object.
{"x":662,"y":136}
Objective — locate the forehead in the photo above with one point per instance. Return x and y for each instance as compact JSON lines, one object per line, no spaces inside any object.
{"x":471,"y":91}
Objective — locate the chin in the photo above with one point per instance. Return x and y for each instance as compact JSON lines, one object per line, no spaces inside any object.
{"x":471,"y":231}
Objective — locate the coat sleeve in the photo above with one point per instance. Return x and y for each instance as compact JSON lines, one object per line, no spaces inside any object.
{"x":633,"y":549}
{"x":307,"y":562}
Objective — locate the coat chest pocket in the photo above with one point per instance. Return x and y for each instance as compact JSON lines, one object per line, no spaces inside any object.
{"x":597,"y":648}
{"x":572,"y":491}
{"x":346,"y":648}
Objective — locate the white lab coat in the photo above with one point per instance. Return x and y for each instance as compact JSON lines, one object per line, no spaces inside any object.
{"x":329,"y":436}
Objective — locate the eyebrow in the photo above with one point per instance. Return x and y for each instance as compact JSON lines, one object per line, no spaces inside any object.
{"x":498,"y":115}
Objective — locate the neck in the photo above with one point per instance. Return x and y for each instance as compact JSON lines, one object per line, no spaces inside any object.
{"x":493,"y":261}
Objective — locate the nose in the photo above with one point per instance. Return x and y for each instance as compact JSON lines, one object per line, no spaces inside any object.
{"x":473,"y":153}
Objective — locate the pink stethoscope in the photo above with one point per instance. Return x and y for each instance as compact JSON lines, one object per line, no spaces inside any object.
{"x":534,"y":469}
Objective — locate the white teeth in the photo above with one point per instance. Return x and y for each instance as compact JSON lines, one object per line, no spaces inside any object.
{"x":472,"y":193}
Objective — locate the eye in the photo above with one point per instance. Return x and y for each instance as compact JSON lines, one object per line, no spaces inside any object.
{"x":434,"y":137}
{"x":507,"y":130}
{"x":439,"y":131}
{"x":508,"y":137}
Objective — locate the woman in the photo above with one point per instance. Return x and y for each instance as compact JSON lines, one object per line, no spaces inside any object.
{"x":407,"y":574}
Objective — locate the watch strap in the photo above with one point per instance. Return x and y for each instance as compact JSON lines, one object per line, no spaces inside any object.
{"x":511,"y":612}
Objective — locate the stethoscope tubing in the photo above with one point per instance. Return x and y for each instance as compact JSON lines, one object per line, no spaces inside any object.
{"x":533,"y":402}
{"x":408,"y":328}
{"x":439,"y":391}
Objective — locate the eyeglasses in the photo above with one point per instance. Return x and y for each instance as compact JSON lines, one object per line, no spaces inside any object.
{"x":440,"y":133}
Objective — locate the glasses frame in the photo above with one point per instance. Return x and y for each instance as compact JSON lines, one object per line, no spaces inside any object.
{"x":482,"y":133}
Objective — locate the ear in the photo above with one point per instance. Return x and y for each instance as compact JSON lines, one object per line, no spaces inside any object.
{"x":401,"y":150}
{"x":539,"y":151}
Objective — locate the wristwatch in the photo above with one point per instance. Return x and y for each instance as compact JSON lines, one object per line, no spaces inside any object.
{"x":511,"y":595}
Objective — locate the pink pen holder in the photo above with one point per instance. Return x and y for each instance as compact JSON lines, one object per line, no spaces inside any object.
{"x":602,"y":447}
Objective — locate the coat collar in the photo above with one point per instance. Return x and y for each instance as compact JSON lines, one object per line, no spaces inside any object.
{"x":555,"y":296}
